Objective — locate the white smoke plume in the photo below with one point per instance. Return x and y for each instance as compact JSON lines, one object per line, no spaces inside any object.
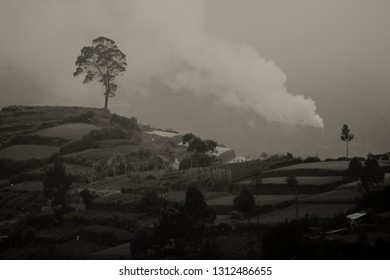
{"x":162,"y":39}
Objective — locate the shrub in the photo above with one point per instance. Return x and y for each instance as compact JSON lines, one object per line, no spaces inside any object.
{"x":244,"y":201}
{"x":128,"y":123}
{"x":151,"y":203}
{"x":312,"y":159}
{"x":56,"y":184}
{"x":355,"y":168}
{"x":87,"y":198}
{"x":197,"y":160}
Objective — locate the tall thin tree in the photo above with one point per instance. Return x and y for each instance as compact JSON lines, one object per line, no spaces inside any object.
{"x":346,"y":136}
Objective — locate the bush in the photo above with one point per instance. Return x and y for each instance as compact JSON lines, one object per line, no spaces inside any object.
{"x":355,"y":168}
{"x":311,"y":159}
{"x":244,"y":201}
{"x":56,"y":184}
{"x":87,"y":198}
{"x":128,"y":123}
{"x":196,"y":160}
{"x":151,"y":203}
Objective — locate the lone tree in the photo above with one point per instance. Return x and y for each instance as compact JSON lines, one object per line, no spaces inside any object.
{"x":346,"y":136}
{"x":103,"y":61}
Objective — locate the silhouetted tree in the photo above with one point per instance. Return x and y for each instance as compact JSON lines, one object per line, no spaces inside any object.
{"x":56,"y":184}
{"x":175,"y":226}
{"x":244,"y":201}
{"x":264,"y":155}
{"x":87,"y":198}
{"x":346,"y":136}
{"x":103,"y":61}
{"x":372,"y":173}
{"x":355,"y":169}
{"x":292,"y":182}
{"x":211,"y":146}
{"x":188,"y":137}
{"x":195,"y":204}
{"x":151,"y":203}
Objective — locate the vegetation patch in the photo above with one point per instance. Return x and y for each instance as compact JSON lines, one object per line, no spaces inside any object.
{"x":73,"y":131}
{"x":26,"y":152}
{"x":104,"y":235}
{"x":92,"y":217}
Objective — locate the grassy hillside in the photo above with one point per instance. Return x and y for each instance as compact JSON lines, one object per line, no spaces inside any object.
{"x":114,"y":162}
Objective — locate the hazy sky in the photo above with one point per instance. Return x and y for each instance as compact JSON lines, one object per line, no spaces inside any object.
{"x":298,"y":64}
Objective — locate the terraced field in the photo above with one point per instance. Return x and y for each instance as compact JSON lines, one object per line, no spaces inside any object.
{"x":333,"y":197}
{"x":320,"y":210}
{"x":301,"y":180}
{"x":25,"y":152}
{"x":72,"y":131}
{"x":179,"y":196}
{"x":318,"y":169}
{"x":102,"y":153}
{"x":227,"y":200}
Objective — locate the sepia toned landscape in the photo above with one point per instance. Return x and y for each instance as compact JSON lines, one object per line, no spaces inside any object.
{"x":184,"y":129}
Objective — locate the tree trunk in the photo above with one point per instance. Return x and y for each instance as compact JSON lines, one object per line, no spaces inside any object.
{"x":347,"y":150}
{"x":296,"y":203}
{"x":106,"y":101}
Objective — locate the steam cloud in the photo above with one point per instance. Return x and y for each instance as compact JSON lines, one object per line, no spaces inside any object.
{"x":162,"y":39}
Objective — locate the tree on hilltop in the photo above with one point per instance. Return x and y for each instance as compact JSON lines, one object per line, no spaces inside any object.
{"x":103,"y":61}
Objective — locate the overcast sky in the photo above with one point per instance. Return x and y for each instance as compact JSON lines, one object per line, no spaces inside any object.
{"x":301,"y":64}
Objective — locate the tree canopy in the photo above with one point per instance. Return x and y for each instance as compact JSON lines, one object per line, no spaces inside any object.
{"x":102,"y":61}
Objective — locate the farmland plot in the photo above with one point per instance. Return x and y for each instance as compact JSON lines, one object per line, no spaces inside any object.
{"x":101,"y":153}
{"x":25,"y":152}
{"x":180,"y":196}
{"x":29,"y":186}
{"x":320,"y":210}
{"x":262,"y":199}
{"x":73,"y":131}
{"x":316,"y":180}
{"x":333,"y":197}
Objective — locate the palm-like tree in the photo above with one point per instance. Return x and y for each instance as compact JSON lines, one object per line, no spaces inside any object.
{"x":346,"y":136}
